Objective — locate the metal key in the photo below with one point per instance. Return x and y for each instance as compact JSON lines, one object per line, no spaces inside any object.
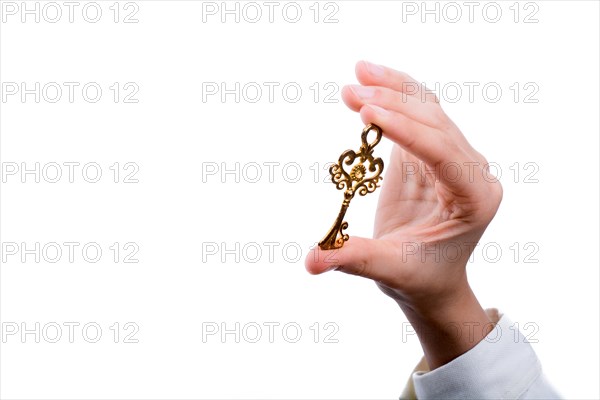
{"x":357,"y":180}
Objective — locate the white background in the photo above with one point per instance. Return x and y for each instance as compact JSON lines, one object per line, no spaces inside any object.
{"x":172,"y":54}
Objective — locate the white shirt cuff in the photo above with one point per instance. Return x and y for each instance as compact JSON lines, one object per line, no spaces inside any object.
{"x":502,"y":366}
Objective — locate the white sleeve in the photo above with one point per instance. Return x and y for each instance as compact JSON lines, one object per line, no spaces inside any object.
{"x":502,"y":366}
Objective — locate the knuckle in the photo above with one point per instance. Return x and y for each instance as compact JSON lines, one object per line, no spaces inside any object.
{"x":362,"y":267}
{"x":491,"y":203}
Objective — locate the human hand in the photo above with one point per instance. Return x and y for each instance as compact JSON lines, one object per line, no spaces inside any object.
{"x":436,"y":201}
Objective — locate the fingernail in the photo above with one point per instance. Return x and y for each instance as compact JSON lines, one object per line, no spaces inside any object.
{"x":379,"y":110}
{"x":363,"y":92}
{"x":374,"y":69}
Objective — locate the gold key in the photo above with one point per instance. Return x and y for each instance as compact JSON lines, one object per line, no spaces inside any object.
{"x":361,"y":179}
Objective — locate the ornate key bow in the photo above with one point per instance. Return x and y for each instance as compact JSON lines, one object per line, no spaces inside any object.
{"x":361,"y":179}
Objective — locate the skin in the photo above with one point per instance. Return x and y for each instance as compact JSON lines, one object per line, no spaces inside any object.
{"x":437,"y":198}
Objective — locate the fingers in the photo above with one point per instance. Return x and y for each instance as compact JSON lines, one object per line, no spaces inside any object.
{"x":426,"y":143}
{"x":359,"y":256}
{"x":370,"y":74}
{"x":420,"y":127}
{"x":355,"y":96}
{"x":428,"y":113}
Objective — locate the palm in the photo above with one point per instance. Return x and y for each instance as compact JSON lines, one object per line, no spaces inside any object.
{"x":411,"y":206}
{"x":412,"y":202}
{"x":405,"y":202}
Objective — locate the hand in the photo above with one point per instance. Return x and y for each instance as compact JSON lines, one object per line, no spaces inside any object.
{"x":436,"y":200}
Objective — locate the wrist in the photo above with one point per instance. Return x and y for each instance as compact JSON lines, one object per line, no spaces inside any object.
{"x":448,"y":327}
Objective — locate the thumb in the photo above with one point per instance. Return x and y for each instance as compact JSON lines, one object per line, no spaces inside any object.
{"x":369,"y":258}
